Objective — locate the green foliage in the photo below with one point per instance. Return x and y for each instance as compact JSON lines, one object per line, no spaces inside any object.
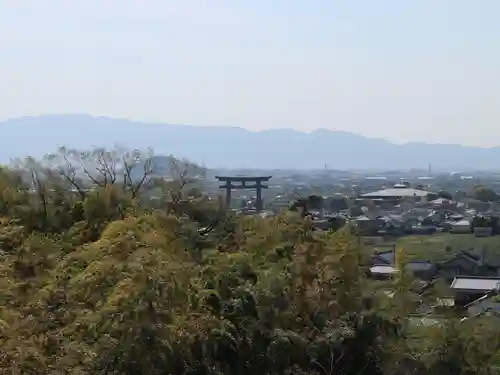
{"x":445,"y":195}
{"x":101,"y":282}
{"x":485,"y":194}
{"x":432,"y":196}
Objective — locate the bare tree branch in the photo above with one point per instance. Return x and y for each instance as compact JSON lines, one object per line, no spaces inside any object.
{"x":66,"y":169}
{"x":130,"y":163}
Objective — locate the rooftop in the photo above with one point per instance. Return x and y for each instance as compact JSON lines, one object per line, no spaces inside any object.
{"x":386,"y":256}
{"x":485,"y":284}
{"x":399,"y":192}
{"x":383,"y":269}
{"x":419,"y":266}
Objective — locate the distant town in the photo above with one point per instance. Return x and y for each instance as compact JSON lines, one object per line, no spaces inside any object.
{"x":444,"y":225}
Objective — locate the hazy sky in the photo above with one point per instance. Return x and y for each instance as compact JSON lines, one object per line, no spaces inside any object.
{"x":402,"y":69}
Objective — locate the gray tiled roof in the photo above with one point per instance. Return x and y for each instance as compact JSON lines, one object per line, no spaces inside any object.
{"x":385,"y":256}
{"x":475,"y":283}
{"x":419,"y":266}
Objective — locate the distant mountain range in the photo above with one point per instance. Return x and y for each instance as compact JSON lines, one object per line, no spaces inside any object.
{"x":233,"y":147}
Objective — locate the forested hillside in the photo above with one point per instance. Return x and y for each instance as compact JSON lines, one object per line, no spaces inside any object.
{"x":95,"y":278}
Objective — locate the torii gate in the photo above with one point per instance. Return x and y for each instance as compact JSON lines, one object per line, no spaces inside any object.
{"x":244,"y":183}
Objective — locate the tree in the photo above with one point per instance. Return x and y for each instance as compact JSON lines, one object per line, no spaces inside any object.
{"x":485,"y":194}
{"x":432,"y":196}
{"x":337,"y":203}
{"x":445,"y":195}
{"x":131,"y":170}
{"x":123,"y":286}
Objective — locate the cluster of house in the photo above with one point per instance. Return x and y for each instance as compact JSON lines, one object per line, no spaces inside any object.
{"x":473,"y":277}
{"x":404,"y":210}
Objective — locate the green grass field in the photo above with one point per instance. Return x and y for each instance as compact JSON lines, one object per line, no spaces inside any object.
{"x":433,"y":247}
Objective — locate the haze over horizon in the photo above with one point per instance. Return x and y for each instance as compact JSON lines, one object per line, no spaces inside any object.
{"x":405,"y":71}
{"x":90,"y":117}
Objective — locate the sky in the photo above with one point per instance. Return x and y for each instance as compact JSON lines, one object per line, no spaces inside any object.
{"x":412,"y":70}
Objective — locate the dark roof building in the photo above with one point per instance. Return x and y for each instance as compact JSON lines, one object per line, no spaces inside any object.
{"x":383,"y":258}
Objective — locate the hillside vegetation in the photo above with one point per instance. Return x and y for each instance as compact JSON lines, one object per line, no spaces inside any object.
{"x":100,"y":281}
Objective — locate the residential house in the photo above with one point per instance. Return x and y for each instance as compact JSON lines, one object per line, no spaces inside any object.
{"x":391,"y":225}
{"x":382,"y":272}
{"x":386,"y":257}
{"x":470,"y":263}
{"x":461,"y":227}
{"x":470,"y":288}
{"x":383,"y":266}
{"x":443,"y":204}
{"x":422,"y":229}
{"x":483,"y":231}
{"x":367,"y":226}
{"x":423,"y":270}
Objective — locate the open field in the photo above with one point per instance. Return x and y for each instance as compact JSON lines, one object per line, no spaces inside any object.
{"x":434,"y":247}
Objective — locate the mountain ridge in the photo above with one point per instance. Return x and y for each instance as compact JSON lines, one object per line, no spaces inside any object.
{"x":233,"y":147}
